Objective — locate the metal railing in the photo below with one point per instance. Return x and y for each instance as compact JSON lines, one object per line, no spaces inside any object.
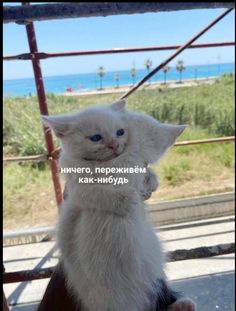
{"x":56,"y":152}
{"x":27,"y":13}
{"x":43,"y":55}
{"x":61,"y":10}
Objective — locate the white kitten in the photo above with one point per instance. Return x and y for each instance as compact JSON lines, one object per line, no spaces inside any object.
{"x":111,"y":256}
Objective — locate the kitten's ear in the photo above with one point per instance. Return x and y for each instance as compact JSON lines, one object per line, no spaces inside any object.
{"x":59,"y":124}
{"x":173,"y":131}
{"x":118,"y":105}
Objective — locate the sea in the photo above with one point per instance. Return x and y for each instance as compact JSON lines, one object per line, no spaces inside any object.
{"x":85,"y":82}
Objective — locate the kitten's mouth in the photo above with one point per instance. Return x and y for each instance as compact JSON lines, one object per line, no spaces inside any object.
{"x":114,"y":155}
{"x":110,"y":157}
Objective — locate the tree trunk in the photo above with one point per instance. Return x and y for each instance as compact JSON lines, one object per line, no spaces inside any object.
{"x":180,"y":76}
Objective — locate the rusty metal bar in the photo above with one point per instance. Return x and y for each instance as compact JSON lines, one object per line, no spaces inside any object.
{"x":179,"y":254}
{"x":170,"y":58}
{"x":41,"y":157}
{"x":59,"y":10}
{"x":43,"y":55}
{"x":43,"y":107}
{"x":5,"y":304}
{"x":201,"y":252}
{"x":204,"y":141}
{"x":56,"y":152}
{"x":27,"y":275}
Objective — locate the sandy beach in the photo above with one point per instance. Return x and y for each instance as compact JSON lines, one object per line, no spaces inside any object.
{"x":149,"y":86}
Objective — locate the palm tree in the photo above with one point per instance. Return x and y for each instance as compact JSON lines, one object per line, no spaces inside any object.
{"x":165,"y":69}
{"x":195,"y":73}
{"x":101,"y":73}
{"x":117,"y":79}
{"x":180,"y":67}
{"x":148,"y":64}
{"x":133,"y":73}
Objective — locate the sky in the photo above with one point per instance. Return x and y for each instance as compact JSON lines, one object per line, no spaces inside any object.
{"x":137,"y":30}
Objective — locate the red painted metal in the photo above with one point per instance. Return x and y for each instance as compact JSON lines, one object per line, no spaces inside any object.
{"x":41,"y":157}
{"x":43,"y":55}
{"x":5,"y":305}
{"x":4,"y":300}
{"x":43,"y":108}
{"x":170,"y":58}
{"x":27,"y":275}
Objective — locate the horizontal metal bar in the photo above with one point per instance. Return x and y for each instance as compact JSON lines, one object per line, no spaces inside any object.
{"x":40,"y":12}
{"x":201,"y":252}
{"x":56,"y":152}
{"x":181,"y":254}
{"x":29,"y":232}
{"x":27,"y":275}
{"x":204,"y":141}
{"x":41,"y":157}
{"x":202,"y":222}
{"x":43,"y":55}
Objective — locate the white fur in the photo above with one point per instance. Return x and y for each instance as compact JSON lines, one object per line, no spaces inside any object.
{"x":111,"y":255}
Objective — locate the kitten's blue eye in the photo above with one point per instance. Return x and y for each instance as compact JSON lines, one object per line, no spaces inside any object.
{"x":96,"y":137}
{"x":120,"y":132}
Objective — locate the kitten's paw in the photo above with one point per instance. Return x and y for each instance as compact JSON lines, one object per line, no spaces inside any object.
{"x":150,"y":185}
{"x":145,"y":194}
{"x":152,"y":181}
{"x":183,"y":304}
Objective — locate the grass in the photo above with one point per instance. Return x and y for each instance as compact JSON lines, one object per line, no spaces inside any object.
{"x":184,"y":171}
{"x":206,"y":106}
{"x":28,"y":196}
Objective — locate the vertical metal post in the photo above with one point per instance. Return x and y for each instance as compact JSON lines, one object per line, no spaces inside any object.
{"x":5,"y":305}
{"x":4,"y":300}
{"x":43,"y":107}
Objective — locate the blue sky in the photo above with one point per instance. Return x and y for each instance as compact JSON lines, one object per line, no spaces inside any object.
{"x":138,"y":30}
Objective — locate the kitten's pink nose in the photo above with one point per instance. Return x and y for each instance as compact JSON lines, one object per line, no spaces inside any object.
{"x":114,"y":146}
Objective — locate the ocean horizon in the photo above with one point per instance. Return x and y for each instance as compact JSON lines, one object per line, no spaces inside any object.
{"x":91,"y":81}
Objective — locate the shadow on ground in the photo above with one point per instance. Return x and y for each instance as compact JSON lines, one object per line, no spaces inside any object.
{"x":23,"y":307}
{"x":210,"y":292}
